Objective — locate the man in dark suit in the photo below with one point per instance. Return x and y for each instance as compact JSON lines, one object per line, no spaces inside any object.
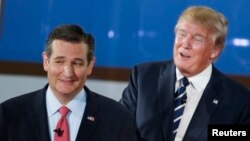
{"x":209,"y":98}
{"x":68,"y":59}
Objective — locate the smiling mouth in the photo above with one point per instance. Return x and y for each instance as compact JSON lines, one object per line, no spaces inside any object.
{"x":67,"y":81}
{"x":184,"y":55}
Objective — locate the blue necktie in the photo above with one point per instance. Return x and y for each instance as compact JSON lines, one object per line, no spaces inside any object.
{"x":179,"y":101}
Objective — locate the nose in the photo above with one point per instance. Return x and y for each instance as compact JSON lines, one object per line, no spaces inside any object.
{"x":67,"y":71}
{"x":187,"y":41}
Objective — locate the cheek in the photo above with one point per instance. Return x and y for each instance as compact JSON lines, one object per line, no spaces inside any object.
{"x":177,"y":41}
{"x":55,"y":70}
{"x":202,"y":55}
{"x":175,"y":49}
{"x":177,"y":44}
{"x":80,"y":73}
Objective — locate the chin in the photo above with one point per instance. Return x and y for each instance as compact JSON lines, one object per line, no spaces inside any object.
{"x":182,"y":67}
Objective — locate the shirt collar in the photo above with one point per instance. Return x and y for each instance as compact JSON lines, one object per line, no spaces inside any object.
{"x":200,"y":80}
{"x":53,"y":103}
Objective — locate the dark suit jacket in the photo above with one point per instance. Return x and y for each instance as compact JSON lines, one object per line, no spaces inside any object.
{"x":149,"y":96}
{"x":24,"y":118}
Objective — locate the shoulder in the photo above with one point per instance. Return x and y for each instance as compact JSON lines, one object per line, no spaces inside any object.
{"x":111,"y":106}
{"x":22,"y":101}
{"x":106,"y":105}
{"x":235,"y":87}
{"x":229,"y":86}
{"x":227,"y":82}
{"x":155,"y":67}
{"x":156,"y":64}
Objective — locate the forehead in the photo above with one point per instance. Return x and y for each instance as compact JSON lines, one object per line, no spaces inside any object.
{"x":193,"y":28}
{"x":64,"y":48}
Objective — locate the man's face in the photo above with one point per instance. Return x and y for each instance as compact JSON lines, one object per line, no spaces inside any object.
{"x":194,"y":49}
{"x":67,"y":68}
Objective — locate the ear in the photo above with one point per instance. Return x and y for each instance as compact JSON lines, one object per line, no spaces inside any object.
{"x":91,"y":66}
{"x":215,"y":53}
{"x":45,"y":61}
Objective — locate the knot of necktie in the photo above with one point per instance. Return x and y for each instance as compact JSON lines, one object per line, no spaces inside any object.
{"x":184,"y":81}
{"x":64,"y":111}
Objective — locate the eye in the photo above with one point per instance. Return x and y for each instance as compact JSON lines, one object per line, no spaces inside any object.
{"x":199,"y":39}
{"x":59,"y":61}
{"x":78,"y":63}
{"x":181,"y":34}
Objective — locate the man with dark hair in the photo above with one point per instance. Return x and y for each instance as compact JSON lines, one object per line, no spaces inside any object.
{"x":65,"y":109}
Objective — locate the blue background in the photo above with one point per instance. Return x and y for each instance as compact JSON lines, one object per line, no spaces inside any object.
{"x":127,"y":32}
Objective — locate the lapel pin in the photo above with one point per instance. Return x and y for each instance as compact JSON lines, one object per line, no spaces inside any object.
{"x":215,"y":101}
{"x":91,"y":118}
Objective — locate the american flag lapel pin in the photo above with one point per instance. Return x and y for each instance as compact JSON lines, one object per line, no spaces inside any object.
{"x":215,"y":101}
{"x":91,"y":118}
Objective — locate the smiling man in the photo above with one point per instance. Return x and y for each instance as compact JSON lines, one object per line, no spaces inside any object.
{"x":177,"y":99}
{"x":65,"y":109}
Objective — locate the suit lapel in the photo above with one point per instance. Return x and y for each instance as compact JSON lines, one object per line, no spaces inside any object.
{"x":39,"y":116}
{"x":166,"y":91}
{"x":206,"y":108}
{"x":90,"y":117}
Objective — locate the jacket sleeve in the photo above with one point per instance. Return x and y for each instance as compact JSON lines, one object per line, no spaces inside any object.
{"x":130,"y":93}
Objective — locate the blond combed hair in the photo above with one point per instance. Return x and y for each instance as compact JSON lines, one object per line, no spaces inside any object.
{"x":212,"y":20}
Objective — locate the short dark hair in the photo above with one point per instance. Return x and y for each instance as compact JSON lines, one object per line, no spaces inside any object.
{"x":70,"y":33}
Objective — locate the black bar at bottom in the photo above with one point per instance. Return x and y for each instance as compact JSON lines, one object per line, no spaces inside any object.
{"x":236,"y":132}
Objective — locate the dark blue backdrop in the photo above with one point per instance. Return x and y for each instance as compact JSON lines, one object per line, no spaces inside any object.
{"x":127,"y":32}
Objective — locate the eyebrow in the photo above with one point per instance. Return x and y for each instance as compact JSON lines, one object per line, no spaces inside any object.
{"x":195,"y":34}
{"x":62,"y":57}
{"x":59,"y":57}
{"x":79,"y":59}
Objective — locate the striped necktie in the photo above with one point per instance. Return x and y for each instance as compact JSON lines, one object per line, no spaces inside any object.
{"x":179,"y":101}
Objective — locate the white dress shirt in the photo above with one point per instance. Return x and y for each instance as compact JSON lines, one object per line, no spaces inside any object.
{"x":76,"y":109}
{"x":194,"y":92}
